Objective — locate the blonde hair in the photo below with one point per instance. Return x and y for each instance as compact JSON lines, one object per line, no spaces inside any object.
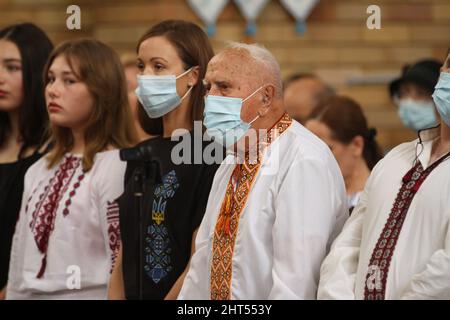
{"x":110,"y":122}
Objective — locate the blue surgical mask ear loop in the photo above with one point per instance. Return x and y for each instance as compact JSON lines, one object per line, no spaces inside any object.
{"x":184,"y":73}
{"x":256,"y":91}
{"x":190,"y":88}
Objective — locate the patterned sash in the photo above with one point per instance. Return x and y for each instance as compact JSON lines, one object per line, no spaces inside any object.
{"x":236,"y":195}
{"x":377,"y":274}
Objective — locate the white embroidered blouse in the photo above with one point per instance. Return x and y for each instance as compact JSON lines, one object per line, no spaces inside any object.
{"x":67,"y":235}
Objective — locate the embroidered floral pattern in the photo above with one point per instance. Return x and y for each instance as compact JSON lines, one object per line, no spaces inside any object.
{"x":236,"y":195}
{"x":157,"y":264}
{"x":377,"y":274}
{"x":43,"y":217}
{"x":112,"y":216}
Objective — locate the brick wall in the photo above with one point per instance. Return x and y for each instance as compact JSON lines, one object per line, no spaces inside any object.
{"x":337,"y":45}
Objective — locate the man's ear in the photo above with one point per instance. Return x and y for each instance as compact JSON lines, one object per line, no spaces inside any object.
{"x":268,"y":94}
{"x":193,"y":76}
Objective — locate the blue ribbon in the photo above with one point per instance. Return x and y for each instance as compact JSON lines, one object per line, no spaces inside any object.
{"x":250,"y":30}
{"x":211,"y":30}
{"x":300,"y":27}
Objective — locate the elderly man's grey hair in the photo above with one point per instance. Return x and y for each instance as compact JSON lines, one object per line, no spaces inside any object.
{"x":266,"y":58}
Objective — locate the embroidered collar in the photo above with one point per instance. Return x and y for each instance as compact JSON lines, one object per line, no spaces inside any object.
{"x":256,"y":152}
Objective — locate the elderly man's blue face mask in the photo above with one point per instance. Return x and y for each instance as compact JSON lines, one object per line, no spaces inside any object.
{"x":222,"y":118}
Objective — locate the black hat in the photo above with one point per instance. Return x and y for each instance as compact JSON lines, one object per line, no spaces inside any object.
{"x":424,"y":73}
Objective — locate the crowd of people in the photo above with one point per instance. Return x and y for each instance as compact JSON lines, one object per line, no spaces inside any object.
{"x":300,"y":202}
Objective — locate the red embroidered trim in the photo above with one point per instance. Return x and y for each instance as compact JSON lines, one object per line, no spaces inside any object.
{"x":236,"y":195}
{"x":31,"y":196}
{"x":112,"y":215}
{"x":377,"y":274}
{"x":72,"y":194}
{"x":43,"y":218}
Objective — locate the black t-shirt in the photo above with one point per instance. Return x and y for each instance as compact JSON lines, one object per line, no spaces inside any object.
{"x":173,"y":211}
{"x":11,"y":190}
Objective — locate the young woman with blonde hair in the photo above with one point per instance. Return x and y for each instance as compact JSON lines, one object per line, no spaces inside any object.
{"x":67,"y":236}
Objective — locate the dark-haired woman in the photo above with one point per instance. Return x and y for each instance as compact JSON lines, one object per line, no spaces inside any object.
{"x":172,"y":60}
{"x":341,"y":124}
{"x":24,"y":49}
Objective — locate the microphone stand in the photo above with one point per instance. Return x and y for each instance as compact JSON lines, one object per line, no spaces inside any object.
{"x":145,"y":176}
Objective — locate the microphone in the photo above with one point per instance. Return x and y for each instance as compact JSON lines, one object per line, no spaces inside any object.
{"x":151,"y":169}
{"x":144,"y":177}
{"x":139,"y":153}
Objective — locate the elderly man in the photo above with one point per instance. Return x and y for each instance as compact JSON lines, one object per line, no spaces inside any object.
{"x":396,"y":245}
{"x":268,"y":222}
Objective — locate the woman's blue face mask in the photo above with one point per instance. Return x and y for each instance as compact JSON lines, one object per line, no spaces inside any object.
{"x":158,"y":94}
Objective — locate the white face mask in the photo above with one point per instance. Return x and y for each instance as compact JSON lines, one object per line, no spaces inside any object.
{"x":158,"y":94}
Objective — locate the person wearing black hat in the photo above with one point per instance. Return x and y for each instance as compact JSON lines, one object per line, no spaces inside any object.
{"x":412,"y":94}
{"x":396,"y":244}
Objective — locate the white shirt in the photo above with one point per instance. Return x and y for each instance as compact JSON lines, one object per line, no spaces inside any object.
{"x":295,"y":209}
{"x":82,"y":242}
{"x":352,"y":199}
{"x":420,"y":266}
